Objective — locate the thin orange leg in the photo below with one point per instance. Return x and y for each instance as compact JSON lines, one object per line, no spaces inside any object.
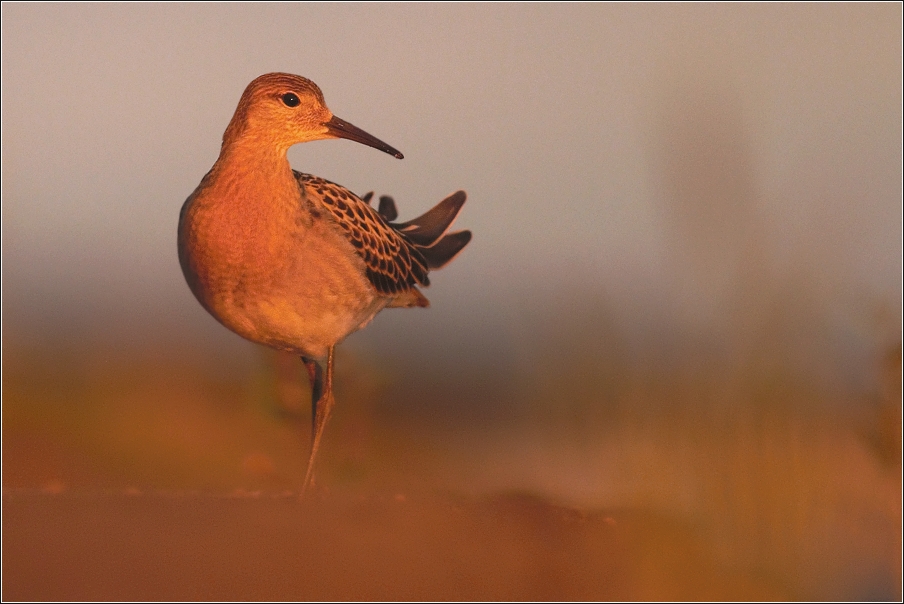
{"x":321,"y":406}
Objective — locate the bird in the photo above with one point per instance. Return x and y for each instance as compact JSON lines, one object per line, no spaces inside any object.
{"x":291,"y":260}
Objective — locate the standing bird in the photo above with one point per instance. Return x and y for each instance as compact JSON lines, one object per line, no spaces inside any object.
{"x":294,"y":261}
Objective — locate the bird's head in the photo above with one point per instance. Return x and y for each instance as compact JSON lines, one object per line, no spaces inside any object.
{"x":281,"y":110}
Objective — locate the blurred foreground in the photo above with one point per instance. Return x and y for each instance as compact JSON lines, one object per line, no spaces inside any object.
{"x":156,"y":475}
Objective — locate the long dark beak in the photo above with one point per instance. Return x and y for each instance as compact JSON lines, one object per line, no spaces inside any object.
{"x":342,"y":129}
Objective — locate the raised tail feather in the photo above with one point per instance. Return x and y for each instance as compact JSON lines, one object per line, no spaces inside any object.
{"x":387,"y":208}
{"x":443,"y":251}
{"x":428,"y":232}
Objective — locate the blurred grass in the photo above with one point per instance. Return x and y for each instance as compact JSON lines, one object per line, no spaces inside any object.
{"x":761,"y":471}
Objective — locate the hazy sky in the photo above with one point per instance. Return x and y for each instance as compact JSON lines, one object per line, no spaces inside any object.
{"x":672,"y":161}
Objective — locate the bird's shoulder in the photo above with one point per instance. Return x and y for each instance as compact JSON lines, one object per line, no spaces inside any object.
{"x":394,"y":264}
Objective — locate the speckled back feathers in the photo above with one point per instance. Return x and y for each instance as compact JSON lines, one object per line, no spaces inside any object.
{"x":394,"y":263}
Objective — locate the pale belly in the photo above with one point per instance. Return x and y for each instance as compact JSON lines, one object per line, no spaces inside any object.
{"x":303,"y":297}
{"x":305,"y":327}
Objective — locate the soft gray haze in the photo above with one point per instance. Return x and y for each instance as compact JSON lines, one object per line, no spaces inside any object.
{"x":673,"y":164}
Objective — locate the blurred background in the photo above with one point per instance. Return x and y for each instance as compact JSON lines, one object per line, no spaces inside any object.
{"x":683,"y":294}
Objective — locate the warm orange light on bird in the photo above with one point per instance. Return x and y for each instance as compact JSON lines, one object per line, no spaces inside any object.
{"x":293,"y":261}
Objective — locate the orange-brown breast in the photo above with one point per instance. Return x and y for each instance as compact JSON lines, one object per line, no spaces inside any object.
{"x":239,"y":228}
{"x":260,"y":263}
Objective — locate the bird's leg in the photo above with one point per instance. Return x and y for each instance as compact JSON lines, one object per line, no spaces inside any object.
{"x":321,"y":406}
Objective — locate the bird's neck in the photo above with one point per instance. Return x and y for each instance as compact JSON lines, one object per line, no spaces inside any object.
{"x":247,"y":197}
{"x":250,"y":154}
{"x":255,"y":175}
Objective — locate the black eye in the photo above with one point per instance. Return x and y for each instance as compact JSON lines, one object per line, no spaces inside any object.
{"x":291,"y":99}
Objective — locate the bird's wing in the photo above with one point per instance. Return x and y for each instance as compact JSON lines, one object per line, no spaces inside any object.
{"x":394,"y":264}
{"x":429,"y":232}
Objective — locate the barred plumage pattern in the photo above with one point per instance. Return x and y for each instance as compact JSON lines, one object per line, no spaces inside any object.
{"x":394,"y":263}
